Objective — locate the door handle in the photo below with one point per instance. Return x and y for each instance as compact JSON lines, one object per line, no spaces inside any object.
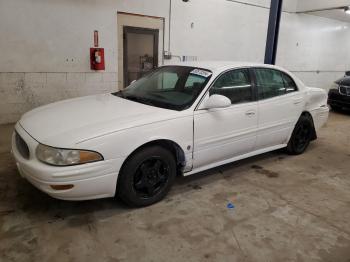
{"x":250,"y":113}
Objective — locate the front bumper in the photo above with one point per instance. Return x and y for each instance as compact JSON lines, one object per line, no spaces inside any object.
{"x":90,"y":181}
{"x":337,"y":99}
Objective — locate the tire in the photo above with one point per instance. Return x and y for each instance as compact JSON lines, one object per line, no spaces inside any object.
{"x":147,"y":176}
{"x":301,"y":136}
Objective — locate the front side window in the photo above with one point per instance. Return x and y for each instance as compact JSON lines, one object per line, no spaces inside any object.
{"x":171,"y":87}
{"x":235,"y":85}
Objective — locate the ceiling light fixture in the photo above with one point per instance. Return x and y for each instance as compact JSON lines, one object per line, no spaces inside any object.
{"x":347,"y":10}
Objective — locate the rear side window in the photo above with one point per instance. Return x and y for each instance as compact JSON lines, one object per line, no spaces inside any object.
{"x":271,"y":83}
{"x":235,"y":85}
{"x":289,"y":83}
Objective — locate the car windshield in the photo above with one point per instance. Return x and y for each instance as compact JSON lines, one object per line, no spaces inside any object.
{"x":170,"y":87}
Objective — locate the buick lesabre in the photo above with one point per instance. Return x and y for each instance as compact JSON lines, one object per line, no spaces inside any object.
{"x":178,"y":119}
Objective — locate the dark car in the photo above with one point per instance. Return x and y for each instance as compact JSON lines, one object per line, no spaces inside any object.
{"x":339,"y":95}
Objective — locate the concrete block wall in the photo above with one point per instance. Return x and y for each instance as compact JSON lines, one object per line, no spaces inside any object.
{"x":21,"y":92}
{"x":46,"y":45}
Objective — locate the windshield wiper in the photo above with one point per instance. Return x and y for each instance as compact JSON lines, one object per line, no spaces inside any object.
{"x":119,"y":94}
{"x":139,"y":99}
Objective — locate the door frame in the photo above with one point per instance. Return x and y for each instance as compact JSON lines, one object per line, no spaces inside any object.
{"x":138,"y":30}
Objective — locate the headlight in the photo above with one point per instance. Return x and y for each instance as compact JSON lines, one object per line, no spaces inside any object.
{"x":65,"y":157}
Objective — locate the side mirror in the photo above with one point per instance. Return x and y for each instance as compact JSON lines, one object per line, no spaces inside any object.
{"x":217,"y":101}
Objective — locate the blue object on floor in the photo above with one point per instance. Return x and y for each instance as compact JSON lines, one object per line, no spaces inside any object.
{"x":230,"y":206}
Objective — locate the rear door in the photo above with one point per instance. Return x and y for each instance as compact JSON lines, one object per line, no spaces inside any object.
{"x":280,"y":106}
{"x":223,"y":133}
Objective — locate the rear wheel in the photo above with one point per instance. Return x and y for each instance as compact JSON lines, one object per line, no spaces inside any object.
{"x":147,"y":176}
{"x":301,"y":136}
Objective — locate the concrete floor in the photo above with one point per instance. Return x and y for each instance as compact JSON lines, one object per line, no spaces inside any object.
{"x":287,"y":208}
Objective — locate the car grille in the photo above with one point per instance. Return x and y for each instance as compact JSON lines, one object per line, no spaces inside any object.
{"x":22,"y":146}
{"x":344,"y":90}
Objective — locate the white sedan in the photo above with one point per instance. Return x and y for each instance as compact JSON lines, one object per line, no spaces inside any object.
{"x":178,"y":119}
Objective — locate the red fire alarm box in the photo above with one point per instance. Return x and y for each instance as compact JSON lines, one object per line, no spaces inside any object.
{"x":97,"y":58}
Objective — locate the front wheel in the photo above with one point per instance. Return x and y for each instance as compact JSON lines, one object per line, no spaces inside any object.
{"x":301,"y":136}
{"x":147,"y":176}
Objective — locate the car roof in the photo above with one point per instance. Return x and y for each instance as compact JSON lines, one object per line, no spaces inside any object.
{"x":218,"y":66}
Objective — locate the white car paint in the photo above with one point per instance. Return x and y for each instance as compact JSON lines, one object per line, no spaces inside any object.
{"x":234,"y":133}
{"x":116,"y":127}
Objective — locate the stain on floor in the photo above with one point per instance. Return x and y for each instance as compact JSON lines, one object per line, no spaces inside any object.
{"x":263,"y":171}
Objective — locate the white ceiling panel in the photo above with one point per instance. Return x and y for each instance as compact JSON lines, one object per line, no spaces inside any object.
{"x":333,"y":9}
{"x":309,"y":5}
{"x":334,"y":14}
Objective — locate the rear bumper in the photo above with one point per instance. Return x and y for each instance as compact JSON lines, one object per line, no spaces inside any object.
{"x":320,"y":116}
{"x":90,"y":181}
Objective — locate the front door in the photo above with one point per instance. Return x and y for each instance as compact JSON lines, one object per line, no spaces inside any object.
{"x":140,"y":52}
{"x":222,"y":134}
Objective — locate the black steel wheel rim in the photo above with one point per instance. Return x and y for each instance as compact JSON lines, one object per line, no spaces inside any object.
{"x":151,"y":176}
{"x":302,"y":136}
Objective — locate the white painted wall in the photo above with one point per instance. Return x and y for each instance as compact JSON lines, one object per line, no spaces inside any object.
{"x":315,"y":48}
{"x":222,"y":30}
{"x":47,"y":43}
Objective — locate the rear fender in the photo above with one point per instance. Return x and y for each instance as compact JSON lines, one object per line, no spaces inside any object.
{"x":316,"y":105}
{"x":316,"y":98}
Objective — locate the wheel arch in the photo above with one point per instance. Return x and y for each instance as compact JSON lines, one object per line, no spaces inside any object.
{"x":168,"y":144}
{"x":308,"y":115}
{"x":172,"y":146}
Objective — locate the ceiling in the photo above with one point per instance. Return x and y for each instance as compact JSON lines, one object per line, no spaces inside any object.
{"x":332,"y":9}
{"x":307,"y":5}
{"x":337,"y":14}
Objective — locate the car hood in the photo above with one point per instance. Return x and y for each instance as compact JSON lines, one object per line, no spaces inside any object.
{"x":68,"y":122}
{"x":344,"y":81}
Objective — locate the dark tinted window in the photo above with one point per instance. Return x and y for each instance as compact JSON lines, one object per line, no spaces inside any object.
{"x":289,"y":83}
{"x":269,"y":83}
{"x":235,"y":85}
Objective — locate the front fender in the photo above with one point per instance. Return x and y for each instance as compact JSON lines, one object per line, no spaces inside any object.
{"x":122,"y":143}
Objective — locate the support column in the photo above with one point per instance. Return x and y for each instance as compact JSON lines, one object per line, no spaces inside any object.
{"x":273,"y":31}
